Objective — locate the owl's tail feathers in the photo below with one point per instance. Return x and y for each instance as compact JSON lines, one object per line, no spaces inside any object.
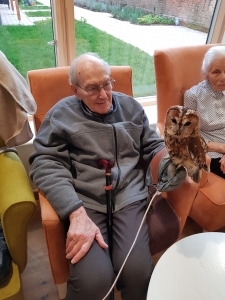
{"x":197,"y":173}
{"x":206,"y":168}
{"x":196,"y":176}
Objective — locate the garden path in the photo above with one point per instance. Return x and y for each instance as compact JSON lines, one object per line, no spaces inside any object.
{"x":146,"y":38}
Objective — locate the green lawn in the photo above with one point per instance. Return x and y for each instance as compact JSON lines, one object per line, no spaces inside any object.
{"x":38,"y":13}
{"x":26,"y":47}
{"x":34,"y":7}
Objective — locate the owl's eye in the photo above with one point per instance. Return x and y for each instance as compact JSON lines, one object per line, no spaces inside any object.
{"x":188,"y":123}
{"x":174,"y":120}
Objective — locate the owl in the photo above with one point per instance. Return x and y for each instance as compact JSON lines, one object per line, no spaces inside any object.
{"x":183,"y":141}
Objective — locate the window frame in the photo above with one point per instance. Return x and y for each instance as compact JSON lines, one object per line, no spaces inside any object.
{"x":216,"y":34}
{"x":63,"y":31}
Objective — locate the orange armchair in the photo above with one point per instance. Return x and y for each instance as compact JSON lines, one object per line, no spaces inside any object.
{"x":49,"y":86}
{"x":176,"y":70}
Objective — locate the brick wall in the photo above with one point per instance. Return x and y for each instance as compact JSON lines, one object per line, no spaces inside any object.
{"x":198,"y":12}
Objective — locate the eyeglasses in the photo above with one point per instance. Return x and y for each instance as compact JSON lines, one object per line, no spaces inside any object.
{"x":95,"y":89}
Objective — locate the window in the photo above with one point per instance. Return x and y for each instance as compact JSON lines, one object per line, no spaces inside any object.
{"x":217,"y":28}
{"x":68,"y":42}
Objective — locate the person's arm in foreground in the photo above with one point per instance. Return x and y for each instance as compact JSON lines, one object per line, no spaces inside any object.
{"x":56,"y":182}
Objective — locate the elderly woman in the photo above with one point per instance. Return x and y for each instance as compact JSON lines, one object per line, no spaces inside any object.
{"x":208,"y":100}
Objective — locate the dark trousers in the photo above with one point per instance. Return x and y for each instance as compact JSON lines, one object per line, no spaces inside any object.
{"x":215,"y":167}
{"x":93,"y":275}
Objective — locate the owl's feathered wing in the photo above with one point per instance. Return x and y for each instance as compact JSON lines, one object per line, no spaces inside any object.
{"x":197,"y":149}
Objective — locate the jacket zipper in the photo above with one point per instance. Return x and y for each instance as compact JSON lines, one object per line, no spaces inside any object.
{"x":119,"y":171}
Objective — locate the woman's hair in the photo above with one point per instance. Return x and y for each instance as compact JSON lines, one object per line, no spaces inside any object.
{"x":73,"y":68}
{"x":212,"y":54}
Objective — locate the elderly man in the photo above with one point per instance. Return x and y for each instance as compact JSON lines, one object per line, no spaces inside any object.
{"x":77,"y":132}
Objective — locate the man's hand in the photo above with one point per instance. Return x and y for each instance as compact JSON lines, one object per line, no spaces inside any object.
{"x":81,"y":234}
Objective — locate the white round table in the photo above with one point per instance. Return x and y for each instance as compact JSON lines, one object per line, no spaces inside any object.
{"x":191,"y":269}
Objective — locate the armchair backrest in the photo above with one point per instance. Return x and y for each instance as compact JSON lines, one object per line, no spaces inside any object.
{"x":176,"y":70}
{"x":48,"y":86}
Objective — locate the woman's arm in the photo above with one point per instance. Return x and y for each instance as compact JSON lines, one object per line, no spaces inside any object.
{"x":216,"y":147}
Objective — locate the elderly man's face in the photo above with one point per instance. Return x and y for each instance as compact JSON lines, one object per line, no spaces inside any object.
{"x":216,"y":75}
{"x":91,"y":75}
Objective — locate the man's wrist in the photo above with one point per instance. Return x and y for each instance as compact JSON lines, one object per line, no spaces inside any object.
{"x":78,"y":212}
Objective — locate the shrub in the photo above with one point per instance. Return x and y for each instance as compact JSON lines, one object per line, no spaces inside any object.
{"x":125,"y":13}
{"x":154,"y":19}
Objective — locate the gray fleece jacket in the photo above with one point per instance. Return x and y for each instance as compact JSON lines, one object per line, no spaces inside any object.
{"x":70,"y":142}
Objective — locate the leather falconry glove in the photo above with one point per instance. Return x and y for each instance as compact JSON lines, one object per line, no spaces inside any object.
{"x":169,"y":177}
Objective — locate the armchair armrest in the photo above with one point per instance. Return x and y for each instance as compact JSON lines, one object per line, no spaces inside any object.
{"x":55,"y":239}
{"x":181,"y":198}
{"x":17,"y":206}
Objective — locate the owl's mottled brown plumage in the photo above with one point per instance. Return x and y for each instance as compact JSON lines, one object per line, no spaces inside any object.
{"x":183,"y":140}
